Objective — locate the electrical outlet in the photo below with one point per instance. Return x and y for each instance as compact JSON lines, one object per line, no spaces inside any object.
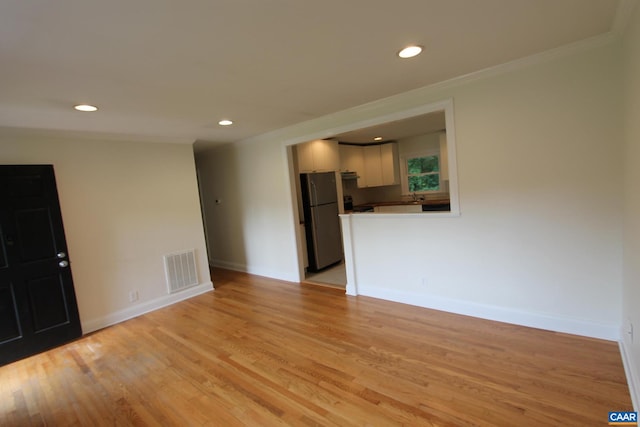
{"x":630,"y":331}
{"x":133,"y":296}
{"x":424,"y":281}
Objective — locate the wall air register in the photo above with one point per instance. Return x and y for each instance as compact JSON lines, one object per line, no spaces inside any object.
{"x":180,"y":270}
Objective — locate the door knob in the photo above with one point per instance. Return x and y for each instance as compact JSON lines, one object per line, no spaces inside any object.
{"x":61,"y":255}
{"x":64,"y":263}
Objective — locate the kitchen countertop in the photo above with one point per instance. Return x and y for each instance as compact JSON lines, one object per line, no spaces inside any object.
{"x":403,"y":202}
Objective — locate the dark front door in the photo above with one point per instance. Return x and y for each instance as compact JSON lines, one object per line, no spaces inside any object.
{"x":38,"y":307}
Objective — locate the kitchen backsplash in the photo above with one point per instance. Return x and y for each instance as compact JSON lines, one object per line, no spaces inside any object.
{"x":387,"y":193}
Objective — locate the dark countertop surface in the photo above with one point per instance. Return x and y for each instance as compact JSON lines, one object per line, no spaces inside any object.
{"x":403,"y":202}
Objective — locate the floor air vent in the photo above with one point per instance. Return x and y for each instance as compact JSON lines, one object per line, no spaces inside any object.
{"x":180,"y":268}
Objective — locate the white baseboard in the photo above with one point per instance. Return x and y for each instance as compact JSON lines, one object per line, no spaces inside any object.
{"x":228,"y":265}
{"x":351,"y":290}
{"x":145,"y":307}
{"x":545,"y":321}
{"x":631,"y":370}
{"x":500,"y":314}
{"x":274,"y":274}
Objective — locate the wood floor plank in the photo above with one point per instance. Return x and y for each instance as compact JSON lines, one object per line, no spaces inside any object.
{"x":263,"y":352}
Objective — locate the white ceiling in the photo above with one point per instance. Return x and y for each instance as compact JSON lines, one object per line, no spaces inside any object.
{"x":171,"y":69}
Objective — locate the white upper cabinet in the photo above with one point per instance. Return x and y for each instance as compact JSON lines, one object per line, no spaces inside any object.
{"x":305,"y":157}
{"x":326,"y":156}
{"x":376,"y":165}
{"x":352,"y":160}
{"x":372,"y":166}
{"x":389,"y":164}
{"x":381,"y":165}
{"x":318,"y":156}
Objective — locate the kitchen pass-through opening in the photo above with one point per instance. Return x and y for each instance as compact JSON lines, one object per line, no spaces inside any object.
{"x":399,"y":163}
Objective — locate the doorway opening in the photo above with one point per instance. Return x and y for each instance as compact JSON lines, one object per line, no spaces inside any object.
{"x":334,"y":276}
{"x":319,"y":204}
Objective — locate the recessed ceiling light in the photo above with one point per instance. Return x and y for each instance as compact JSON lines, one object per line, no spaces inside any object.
{"x":85,"y":107}
{"x":410,"y":51}
{"x":225,"y":122}
{"x":377,"y":138}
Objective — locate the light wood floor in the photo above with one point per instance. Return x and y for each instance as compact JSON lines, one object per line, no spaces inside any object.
{"x":262,"y":352}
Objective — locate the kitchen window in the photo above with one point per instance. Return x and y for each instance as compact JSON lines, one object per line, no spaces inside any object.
{"x":421,"y":172}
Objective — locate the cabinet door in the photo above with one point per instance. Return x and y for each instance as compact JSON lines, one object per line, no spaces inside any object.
{"x":348,"y":158}
{"x":305,"y":157}
{"x":389,"y":164}
{"x":318,"y":156}
{"x":326,"y":156}
{"x":372,"y":166}
{"x":352,"y":160}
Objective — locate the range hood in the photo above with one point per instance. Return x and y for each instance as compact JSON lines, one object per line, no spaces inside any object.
{"x":349,"y":175}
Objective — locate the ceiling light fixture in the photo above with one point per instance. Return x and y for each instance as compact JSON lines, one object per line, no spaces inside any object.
{"x":377,"y":138}
{"x":85,"y":107}
{"x":410,"y":51}
{"x":225,"y":122}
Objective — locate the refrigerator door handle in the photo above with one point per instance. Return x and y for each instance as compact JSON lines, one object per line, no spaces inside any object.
{"x":314,"y":240}
{"x":314,"y":195}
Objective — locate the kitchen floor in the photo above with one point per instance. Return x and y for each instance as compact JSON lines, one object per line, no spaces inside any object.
{"x":335,"y":276}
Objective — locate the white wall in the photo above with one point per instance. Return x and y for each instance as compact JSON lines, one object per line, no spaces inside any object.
{"x":416,"y":144}
{"x":539,"y":241}
{"x":631,"y":289}
{"x":124,"y":205}
{"x":252,"y":228}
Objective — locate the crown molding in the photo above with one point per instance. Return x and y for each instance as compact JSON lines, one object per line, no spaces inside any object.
{"x":368,"y":114}
{"x":60,"y":134}
{"x":528,"y":61}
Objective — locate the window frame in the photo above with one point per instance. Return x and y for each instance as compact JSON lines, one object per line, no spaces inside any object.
{"x":404,"y":170}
